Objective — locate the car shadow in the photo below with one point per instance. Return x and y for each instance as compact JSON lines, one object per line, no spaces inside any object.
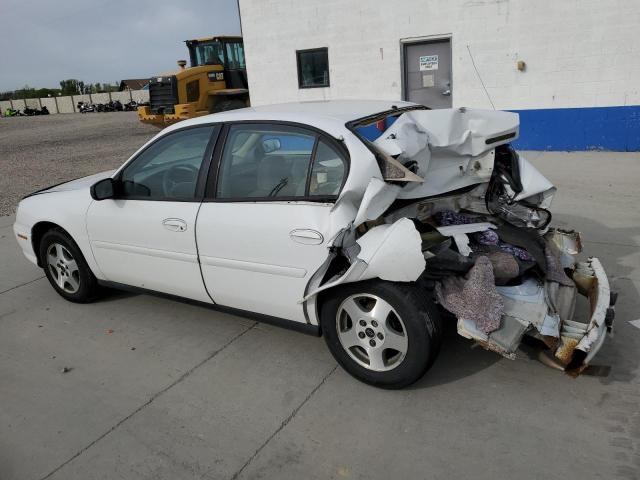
{"x":113,"y":295}
{"x":459,"y":358}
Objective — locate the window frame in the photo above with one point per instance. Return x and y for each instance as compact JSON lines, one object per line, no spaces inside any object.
{"x":226,"y":56}
{"x":202,"y":174}
{"x":211,"y":188}
{"x":299,"y":67}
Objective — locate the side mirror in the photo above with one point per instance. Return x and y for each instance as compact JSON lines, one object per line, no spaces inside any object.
{"x":271,"y":145}
{"x":103,"y":189}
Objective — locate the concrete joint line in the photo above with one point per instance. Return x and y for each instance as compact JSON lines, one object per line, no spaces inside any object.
{"x":614,"y":244}
{"x":21,"y":285}
{"x":284,"y":423}
{"x":149,"y":402}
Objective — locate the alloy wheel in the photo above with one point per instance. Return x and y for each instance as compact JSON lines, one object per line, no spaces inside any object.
{"x":371,"y":332}
{"x":63,"y":268}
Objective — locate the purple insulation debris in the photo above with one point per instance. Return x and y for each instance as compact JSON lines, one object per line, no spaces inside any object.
{"x":473,"y":298}
{"x":447,"y":218}
{"x":488,"y":237}
{"x":517,"y":252}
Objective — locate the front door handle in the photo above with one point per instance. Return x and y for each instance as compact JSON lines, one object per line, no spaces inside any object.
{"x":446,"y":92}
{"x":175,"y":224}
{"x":306,"y":236}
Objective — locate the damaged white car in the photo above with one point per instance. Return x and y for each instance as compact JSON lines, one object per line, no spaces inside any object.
{"x":368,"y":222}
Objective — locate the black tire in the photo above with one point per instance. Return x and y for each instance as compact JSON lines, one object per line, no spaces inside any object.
{"x":88,"y":288}
{"x":419,"y":318}
{"x":232,"y":104}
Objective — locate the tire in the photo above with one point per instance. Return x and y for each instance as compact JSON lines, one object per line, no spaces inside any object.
{"x":225,"y":105}
{"x":398,"y":315}
{"x":65,"y":267}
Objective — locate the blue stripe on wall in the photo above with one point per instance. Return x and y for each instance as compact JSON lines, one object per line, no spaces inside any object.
{"x":597,"y":128}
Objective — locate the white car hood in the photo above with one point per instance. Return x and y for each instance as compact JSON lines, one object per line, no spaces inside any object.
{"x":77,"y":184}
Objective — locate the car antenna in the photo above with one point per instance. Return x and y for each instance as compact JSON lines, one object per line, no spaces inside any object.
{"x":479,"y":77}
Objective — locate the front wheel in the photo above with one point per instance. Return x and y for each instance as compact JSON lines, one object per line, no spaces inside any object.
{"x":66,"y":268}
{"x":383,"y":333}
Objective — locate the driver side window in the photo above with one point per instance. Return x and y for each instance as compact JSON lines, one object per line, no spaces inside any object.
{"x":169,"y":168}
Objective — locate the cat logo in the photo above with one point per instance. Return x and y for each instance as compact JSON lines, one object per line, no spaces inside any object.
{"x":216,"y":76}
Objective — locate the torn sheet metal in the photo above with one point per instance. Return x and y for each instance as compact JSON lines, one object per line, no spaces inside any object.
{"x":390,"y":252}
{"x":393,"y":252}
{"x":462,"y":131}
{"x":533,"y":182}
{"x":459,"y":234}
{"x":452,"y":147}
{"x":567,"y":241}
{"x":600,"y":299}
{"x":527,"y":302}
{"x":377,"y":198}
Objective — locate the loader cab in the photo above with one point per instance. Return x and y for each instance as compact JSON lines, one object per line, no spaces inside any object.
{"x":225,"y":51}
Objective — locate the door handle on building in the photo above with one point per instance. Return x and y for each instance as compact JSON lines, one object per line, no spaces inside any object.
{"x":175,"y":224}
{"x":446,"y":92}
{"x":306,"y":236}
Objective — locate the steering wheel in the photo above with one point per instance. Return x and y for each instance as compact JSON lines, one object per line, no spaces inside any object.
{"x":176,"y":175}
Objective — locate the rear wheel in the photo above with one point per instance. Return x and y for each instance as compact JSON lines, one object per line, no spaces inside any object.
{"x":65,"y":267}
{"x":383,"y":333}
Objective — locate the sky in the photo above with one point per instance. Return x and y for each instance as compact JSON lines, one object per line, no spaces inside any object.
{"x":45,"y":41}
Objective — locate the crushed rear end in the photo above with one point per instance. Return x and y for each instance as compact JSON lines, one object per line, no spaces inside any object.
{"x":457,"y":209}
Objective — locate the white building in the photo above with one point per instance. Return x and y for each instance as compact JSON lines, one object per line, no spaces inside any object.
{"x":556,"y":62}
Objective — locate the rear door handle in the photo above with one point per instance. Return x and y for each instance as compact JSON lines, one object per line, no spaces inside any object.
{"x":306,"y":236}
{"x":175,"y":224}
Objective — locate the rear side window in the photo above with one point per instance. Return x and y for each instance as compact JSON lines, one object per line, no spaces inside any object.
{"x":278,"y":162}
{"x":328,"y":171}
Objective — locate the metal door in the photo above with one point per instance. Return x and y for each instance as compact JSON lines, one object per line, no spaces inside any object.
{"x":427,"y":73}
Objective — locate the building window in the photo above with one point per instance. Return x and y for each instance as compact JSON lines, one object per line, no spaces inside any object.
{"x":313,"y":67}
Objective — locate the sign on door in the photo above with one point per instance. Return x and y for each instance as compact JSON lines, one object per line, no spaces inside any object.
{"x":429,"y":62}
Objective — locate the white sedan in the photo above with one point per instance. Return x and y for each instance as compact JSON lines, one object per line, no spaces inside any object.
{"x":368,"y":222}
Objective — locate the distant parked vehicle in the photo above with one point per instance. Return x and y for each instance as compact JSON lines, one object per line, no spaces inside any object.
{"x":31,"y":112}
{"x":86,"y":107}
{"x":131,"y":106}
{"x":10,"y":112}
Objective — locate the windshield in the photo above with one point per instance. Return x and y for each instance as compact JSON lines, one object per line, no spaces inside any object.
{"x":207,"y":53}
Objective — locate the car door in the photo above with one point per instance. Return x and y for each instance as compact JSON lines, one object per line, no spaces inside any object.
{"x":145,"y":236}
{"x":264,"y":226}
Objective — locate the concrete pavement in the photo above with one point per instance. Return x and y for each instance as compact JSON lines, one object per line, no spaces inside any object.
{"x":165,"y":390}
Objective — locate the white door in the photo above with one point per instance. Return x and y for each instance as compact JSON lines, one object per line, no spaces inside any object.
{"x":265,"y":232}
{"x":145,"y":237}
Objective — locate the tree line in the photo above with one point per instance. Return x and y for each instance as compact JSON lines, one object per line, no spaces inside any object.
{"x":67,"y":87}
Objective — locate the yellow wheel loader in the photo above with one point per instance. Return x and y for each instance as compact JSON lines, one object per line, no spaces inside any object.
{"x":216,"y":81}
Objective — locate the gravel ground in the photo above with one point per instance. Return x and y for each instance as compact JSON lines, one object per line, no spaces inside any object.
{"x":36,"y":152}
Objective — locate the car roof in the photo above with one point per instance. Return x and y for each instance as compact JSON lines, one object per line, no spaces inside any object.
{"x":324,"y":114}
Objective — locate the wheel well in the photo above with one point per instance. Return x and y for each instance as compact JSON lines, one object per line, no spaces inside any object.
{"x":37,"y":232}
